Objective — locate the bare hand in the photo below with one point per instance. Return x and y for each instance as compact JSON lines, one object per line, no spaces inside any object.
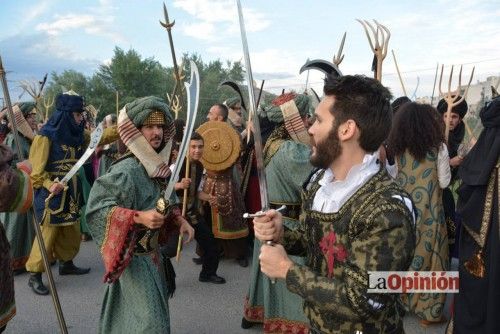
{"x":269,"y":227}
{"x":456,"y":161}
{"x":184,"y":183}
{"x":212,"y":200}
{"x":186,"y":229}
{"x":25,"y":165}
{"x":274,"y":261}
{"x":151,"y":219}
{"x":56,"y":188}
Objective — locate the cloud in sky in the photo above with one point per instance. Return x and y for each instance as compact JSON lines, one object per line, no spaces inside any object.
{"x":217,"y":19}
{"x":34,"y":11}
{"x":90,"y":24}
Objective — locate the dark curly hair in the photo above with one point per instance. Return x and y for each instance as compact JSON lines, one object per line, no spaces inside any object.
{"x":366,"y":102}
{"x":417,"y":128}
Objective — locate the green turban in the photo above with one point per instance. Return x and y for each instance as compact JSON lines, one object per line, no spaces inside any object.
{"x":232,"y":102}
{"x":27,"y":108}
{"x":138,"y":110}
{"x":274,"y":113}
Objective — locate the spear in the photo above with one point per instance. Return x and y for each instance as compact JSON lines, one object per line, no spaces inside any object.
{"x":36,"y":225}
{"x":399,"y":73}
{"x":167,"y":25}
{"x":434,"y":85}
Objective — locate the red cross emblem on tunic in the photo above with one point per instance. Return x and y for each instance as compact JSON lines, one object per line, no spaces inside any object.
{"x":332,"y":251}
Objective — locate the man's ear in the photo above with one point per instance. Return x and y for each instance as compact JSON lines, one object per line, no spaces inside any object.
{"x":347,"y":130}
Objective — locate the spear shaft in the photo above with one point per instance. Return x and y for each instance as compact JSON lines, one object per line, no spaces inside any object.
{"x":36,"y":225}
{"x":434,"y":85}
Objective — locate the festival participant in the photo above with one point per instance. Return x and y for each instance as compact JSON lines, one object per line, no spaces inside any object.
{"x":477,"y":304}
{"x":58,"y":146}
{"x":423,"y":170}
{"x":19,"y":226}
{"x":354,"y":217}
{"x":456,"y":154}
{"x":203,"y":232}
{"x":128,"y":229}
{"x":235,"y":116}
{"x":16,"y":194}
{"x":227,"y":207}
{"x":286,"y":159}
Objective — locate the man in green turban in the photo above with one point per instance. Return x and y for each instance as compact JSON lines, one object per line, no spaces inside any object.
{"x":129,"y":231}
{"x":286,"y":159}
{"x":18,"y":226}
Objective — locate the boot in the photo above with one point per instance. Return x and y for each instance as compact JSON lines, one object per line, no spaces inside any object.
{"x":36,"y":284}
{"x":68,"y":268}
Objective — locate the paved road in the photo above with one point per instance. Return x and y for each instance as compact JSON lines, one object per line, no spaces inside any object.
{"x":196,"y":307}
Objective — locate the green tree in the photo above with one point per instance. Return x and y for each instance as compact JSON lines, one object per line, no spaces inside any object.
{"x":134,"y":77}
{"x":212,"y":74}
{"x":67,"y":80}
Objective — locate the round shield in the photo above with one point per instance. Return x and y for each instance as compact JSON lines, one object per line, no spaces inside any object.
{"x":222,"y":145}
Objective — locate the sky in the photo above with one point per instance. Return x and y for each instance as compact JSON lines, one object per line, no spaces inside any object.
{"x":38,"y":37}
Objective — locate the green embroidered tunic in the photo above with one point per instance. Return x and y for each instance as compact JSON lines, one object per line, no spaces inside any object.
{"x":136,"y":300}
{"x":420,"y":180}
{"x":18,"y":226}
{"x":372,"y":231}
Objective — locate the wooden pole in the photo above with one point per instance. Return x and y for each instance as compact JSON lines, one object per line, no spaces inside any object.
{"x":184,"y":208}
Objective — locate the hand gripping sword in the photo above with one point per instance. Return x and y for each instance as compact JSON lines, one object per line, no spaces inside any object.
{"x":36,"y":225}
{"x":259,"y":158}
{"x":163,"y":204}
{"x":95,"y":138}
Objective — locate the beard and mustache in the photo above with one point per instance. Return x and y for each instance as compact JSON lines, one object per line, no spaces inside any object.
{"x":327,"y":150}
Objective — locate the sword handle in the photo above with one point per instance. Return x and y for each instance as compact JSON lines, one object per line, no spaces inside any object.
{"x":270,"y":243}
{"x":162,"y":206}
{"x":47,"y":200}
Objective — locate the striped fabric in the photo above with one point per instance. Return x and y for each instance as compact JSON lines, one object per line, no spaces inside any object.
{"x":294,"y":124}
{"x":22,"y":125}
{"x":156,"y":164}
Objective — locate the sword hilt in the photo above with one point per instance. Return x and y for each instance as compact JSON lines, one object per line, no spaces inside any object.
{"x":271,"y":243}
{"x":162,"y":206}
{"x":51,"y":195}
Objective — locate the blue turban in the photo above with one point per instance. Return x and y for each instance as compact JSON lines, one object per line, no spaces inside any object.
{"x":61,"y":126}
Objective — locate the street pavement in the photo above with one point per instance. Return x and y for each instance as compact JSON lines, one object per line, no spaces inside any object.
{"x":195,"y":308}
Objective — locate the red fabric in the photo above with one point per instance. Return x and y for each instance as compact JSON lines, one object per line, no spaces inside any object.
{"x":119,"y":242}
{"x":169,"y":227}
{"x":278,"y":325}
{"x":332,"y":251}
{"x":253,"y":313}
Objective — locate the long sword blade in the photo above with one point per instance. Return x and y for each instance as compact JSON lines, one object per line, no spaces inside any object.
{"x":255,"y":119}
{"x":95,"y":137}
{"x":193,"y":94}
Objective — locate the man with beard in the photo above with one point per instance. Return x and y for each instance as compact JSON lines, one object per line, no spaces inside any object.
{"x":128,"y":229}
{"x":60,"y":144}
{"x":354,"y":218}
